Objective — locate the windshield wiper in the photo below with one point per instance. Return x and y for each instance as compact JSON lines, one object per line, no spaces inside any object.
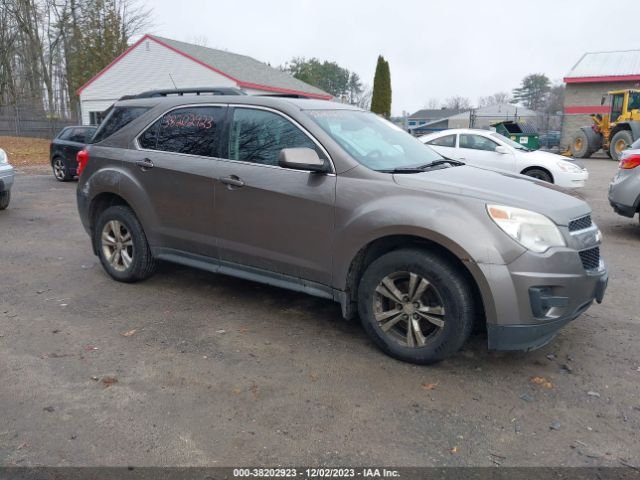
{"x":435,"y":163}
{"x":423,"y":168}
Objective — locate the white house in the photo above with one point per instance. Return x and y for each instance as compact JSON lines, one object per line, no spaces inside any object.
{"x":154,"y":63}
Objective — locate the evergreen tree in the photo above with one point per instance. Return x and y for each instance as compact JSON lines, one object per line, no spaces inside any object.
{"x":381,"y":100}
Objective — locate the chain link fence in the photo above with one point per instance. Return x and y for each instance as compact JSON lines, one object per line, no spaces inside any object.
{"x":29,"y":119}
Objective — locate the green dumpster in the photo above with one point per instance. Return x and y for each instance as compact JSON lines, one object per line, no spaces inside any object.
{"x":520,"y":132}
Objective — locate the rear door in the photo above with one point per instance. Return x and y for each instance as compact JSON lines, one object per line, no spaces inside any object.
{"x":174,"y":165}
{"x":267,"y":217}
{"x":444,"y":145}
{"x":74,"y":141}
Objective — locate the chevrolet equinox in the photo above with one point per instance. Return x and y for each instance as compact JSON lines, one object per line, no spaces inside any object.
{"x":327,"y":199}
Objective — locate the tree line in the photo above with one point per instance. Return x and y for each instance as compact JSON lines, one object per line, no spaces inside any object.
{"x":536,"y":92}
{"x":50,"y":48}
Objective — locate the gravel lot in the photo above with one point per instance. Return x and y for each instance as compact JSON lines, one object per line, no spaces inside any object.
{"x":222,"y":372}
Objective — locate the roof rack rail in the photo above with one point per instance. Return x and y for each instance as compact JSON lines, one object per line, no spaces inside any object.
{"x":183,"y":91}
{"x":283,"y":95}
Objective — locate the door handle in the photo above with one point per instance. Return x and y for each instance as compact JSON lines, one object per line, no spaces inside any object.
{"x":145,"y":164}
{"x":232,"y":180}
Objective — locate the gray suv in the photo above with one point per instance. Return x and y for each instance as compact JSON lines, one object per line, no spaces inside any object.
{"x":327,"y":199}
{"x":624,"y":190}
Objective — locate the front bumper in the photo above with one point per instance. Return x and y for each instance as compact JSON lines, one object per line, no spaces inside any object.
{"x":537,"y":294}
{"x":571,"y":180}
{"x":6,"y":178}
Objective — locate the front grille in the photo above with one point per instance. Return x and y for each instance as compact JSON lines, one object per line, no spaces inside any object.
{"x":590,"y":258}
{"x":580,"y":223}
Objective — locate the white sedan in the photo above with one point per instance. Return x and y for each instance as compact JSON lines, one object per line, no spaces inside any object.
{"x":485,"y":148}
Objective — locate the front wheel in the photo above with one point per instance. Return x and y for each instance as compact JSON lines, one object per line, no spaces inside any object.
{"x":416,"y":306}
{"x":539,"y":174}
{"x":122,"y":245}
{"x":5,"y":198}
{"x":619,"y":142}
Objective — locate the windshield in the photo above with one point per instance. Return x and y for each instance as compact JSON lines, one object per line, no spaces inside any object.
{"x":373,"y":141}
{"x":509,"y":142}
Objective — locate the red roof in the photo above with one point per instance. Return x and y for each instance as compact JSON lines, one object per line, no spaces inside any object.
{"x":274,"y":77}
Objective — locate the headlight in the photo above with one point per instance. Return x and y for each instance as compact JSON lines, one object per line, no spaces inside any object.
{"x":568,"y":167}
{"x":532,"y":230}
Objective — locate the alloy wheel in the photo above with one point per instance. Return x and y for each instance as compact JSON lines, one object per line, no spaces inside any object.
{"x":408,"y":308}
{"x":59,"y":169}
{"x":117,"y":245}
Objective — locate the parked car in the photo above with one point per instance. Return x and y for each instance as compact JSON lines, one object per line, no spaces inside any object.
{"x":327,"y":199}
{"x":624,"y":190}
{"x":6,"y":180}
{"x":488,"y":149}
{"x":65,"y":147}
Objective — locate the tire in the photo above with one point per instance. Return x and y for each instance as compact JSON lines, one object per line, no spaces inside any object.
{"x":447,"y":300}
{"x":608,"y":152}
{"x":119,"y":235}
{"x":61,"y":169}
{"x":5,"y":198}
{"x":619,"y":142}
{"x":539,"y":174}
{"x":580,"y":145}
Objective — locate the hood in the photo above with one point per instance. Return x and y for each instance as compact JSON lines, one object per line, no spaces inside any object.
{"x":543,"y":157}
{"x":501,"y":188}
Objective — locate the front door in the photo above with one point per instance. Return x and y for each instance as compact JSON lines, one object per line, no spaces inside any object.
{"x":267,"y":217}
{"x":479,"y":150}
{"x":174,"y":166}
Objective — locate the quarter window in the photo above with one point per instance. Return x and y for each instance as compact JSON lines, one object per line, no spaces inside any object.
{"x":194,"y":131}
{"x":257,"y":136}
{"x":477,"y":142}
{"x":115,"y":120}
{"x":446,"y":141}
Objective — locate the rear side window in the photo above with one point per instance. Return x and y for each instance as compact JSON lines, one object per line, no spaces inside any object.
{"x":80,"y":135}
{"x":446,"y":141}
{"x":118,"y":118}
{"x":193,"y":131}
{"x":257,"y":136}
{"x":65,"y":134}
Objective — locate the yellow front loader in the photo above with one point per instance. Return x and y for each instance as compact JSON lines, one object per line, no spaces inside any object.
{"x":613,"y":131}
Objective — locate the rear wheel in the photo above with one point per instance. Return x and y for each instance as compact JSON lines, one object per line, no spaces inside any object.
{"x":539,"y":174}
{"x":60,"y":169}
{"x":122,"y":245}
{"x":5,"y":198}
{"x":580,"y":145}
{"x":416,"y":306}
{"x":619,"y":142}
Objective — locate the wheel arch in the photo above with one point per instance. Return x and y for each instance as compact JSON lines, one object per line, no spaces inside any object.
{"x":633,"y":127}
{"x":536,"y":167}
{"x":377,"y":247}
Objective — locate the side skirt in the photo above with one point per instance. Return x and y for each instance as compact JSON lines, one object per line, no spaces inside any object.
{"x":248,"y":273}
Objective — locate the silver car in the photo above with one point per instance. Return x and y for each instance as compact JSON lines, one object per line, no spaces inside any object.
{"x":6,"y":180}
{"x":624,"y":191}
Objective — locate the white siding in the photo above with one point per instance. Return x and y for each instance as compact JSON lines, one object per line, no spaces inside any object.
{"x":146,"y":67}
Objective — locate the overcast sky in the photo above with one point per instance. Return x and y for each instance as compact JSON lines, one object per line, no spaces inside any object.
{"x":436,"y":49}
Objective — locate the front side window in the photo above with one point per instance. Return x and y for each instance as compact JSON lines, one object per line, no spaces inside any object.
{"x":477,"y":142}
{"x":616,"y":106}
{"x":372,"y":141}
{"x":192,"y":131}
{"x":116,"y":120}
{"x":257,"y":136}
{"x":446,"y":141}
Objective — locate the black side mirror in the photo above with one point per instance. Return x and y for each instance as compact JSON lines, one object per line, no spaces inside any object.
{"x":602,"y":100}
{"x":302,"y":159}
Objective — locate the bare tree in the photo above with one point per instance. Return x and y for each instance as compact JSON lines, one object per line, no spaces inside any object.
{"x":495,"y":99}
{"x":457,"y":103}
{"x":432,"y":104}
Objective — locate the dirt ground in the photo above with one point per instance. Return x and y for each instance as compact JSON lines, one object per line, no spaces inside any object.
{"x":26,"y":152}
{"x":192,"y":368}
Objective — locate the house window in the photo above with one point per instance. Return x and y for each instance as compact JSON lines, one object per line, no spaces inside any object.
{"x":95,"y":118}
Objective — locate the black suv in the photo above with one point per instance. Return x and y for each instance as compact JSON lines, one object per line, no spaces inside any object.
{"x":64,"y":148}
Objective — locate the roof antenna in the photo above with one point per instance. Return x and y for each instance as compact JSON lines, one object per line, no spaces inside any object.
{"x":174,"y":83}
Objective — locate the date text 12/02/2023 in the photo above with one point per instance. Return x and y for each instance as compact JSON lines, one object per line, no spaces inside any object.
{"x":315,"y":473}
